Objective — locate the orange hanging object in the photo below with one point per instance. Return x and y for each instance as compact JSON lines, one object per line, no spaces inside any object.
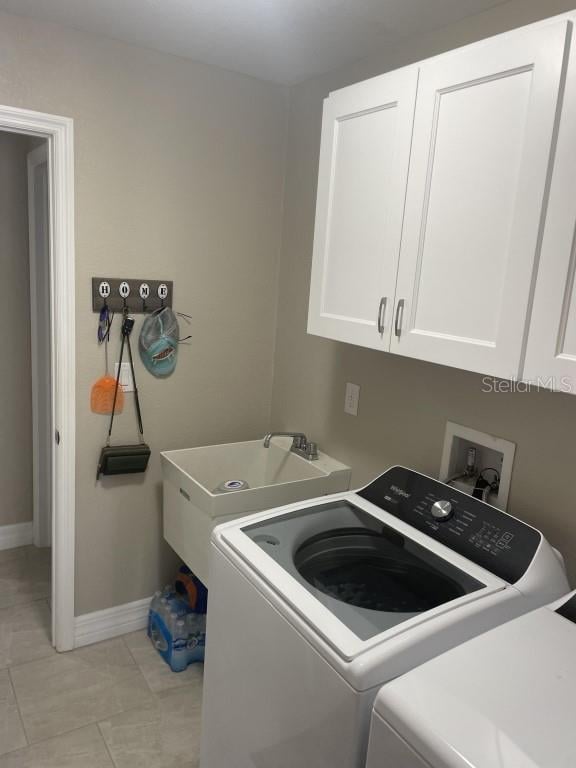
{"x":102,"y":396}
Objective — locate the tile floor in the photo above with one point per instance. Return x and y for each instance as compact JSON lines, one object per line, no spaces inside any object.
{"x":111,"y":705}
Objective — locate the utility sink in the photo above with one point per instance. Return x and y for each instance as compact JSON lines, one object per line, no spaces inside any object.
{"x":271,"y":477}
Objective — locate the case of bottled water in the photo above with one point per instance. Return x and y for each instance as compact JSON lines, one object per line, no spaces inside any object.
{"x":176,"y":628}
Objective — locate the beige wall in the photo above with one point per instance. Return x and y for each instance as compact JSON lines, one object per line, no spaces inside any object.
{"x":15,"y":371}
{"x":178,"y":172}
{"x":405,"y":404}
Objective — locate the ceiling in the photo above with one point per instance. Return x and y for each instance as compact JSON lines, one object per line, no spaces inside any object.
{"x":280,"y":40}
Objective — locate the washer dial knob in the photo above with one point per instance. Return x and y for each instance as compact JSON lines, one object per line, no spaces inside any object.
{"x":442,"y":510}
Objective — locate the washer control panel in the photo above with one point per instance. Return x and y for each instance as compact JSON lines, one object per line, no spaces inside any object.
{"x":485,"y":535}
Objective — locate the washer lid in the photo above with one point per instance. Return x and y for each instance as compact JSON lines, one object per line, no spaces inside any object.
{"x":353,"y":572}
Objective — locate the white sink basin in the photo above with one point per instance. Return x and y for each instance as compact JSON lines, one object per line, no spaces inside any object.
{"x":275,"y":476}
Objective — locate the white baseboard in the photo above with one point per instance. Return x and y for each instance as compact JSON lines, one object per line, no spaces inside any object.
{"x":111,"y":622}
{"x":19,"y":535}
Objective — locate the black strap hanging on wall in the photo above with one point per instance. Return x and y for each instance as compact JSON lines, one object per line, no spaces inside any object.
{"x":124,"y":459}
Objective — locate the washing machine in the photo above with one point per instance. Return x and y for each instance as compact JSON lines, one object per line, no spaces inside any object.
{"x":315,"y":605}
{"x":506,"y":699}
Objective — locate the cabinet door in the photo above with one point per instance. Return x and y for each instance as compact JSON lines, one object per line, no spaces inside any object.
{"x":483,"y":132}
{"x":364,"y":155}
{"x":551,"y":350}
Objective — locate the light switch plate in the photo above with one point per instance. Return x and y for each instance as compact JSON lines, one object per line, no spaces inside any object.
{"x":125,"y":377}
{"x":352,"y":399}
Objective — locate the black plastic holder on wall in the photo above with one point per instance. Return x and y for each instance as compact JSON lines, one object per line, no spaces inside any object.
{"x":135,"y":295}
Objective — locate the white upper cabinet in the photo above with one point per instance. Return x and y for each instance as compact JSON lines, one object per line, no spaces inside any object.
{"x":483,"y":132}
{"x":441,"y":231}
{"x":551,"y":350}
{"x":364,"y":155}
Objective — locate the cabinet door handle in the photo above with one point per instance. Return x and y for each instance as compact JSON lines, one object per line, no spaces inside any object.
{"x":382,"y":313}
{"x":399,"y":317}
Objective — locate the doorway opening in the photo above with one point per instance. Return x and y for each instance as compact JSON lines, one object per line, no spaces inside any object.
{"x":37,"y":410}
{"x":40,"y":338}
{"x":25,"y":410}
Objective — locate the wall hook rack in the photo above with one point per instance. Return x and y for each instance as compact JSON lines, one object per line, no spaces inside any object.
{"x":135,"y":295}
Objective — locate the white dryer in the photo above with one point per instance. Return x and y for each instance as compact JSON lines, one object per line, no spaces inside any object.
{"x":506,"y":699}
{"x":314,"y":606}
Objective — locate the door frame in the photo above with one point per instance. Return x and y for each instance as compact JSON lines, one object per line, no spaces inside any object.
{"x":59,"y":131}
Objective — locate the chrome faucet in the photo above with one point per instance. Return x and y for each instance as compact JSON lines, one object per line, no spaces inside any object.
{"x":300,"y":444}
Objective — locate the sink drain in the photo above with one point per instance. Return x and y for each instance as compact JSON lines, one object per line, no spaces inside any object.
{"x":228,"y":486}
